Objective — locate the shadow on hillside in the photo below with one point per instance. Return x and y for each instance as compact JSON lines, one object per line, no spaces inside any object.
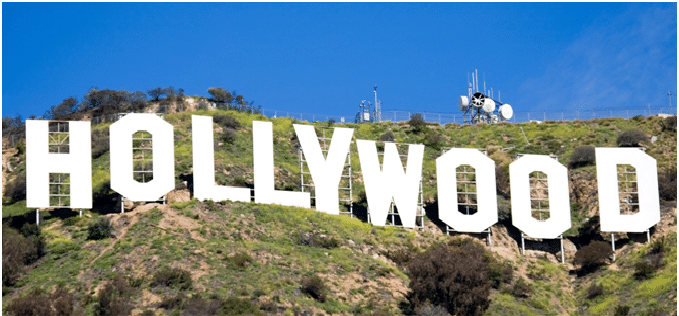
{"x":30,"y":217}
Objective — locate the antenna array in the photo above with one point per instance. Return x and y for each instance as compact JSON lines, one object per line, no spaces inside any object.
{"x":479,"y":106}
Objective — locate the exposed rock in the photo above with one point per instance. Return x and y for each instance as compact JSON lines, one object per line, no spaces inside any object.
{"x":178,"y":196}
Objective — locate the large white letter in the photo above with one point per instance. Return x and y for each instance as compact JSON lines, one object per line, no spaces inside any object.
{"x":204,"y":186}
{"x":121,"y":157}
{"x":262,"y":134}
{"x":326,"y":173}
{"x":382,"y":185}
{"x":486,"y":199}
{"x":607,"y":160}
{"x":39,"y":164}
{"x":557,"y":188}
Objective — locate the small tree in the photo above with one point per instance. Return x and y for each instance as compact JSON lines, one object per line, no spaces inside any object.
{"x":631,"y":138}
{"x":582,"y":156}
{"x":220,"y":95}
{"x":455,"y":277}
{"x":417,"y":122}
{"x":593,"y":255}
{"x":156,"y":93}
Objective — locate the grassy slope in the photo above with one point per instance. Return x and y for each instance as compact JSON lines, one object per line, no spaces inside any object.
{"x":211,"y":234}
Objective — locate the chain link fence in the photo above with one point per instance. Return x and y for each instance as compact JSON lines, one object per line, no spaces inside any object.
{"x":431,"y":117}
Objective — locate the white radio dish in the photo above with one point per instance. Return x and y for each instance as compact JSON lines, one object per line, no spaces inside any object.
{"x":488,"y":105}
{"x":506,"y":111}
{"x":463,"y":103}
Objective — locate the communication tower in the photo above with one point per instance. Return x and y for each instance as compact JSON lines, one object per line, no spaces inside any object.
{"x":480,"y":107}
{"x":364,"y":114}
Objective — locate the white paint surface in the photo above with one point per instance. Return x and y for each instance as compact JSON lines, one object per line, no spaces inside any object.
{"x":204,"y":186}
{"x":121,"y":157}
{"x":446,"y":175}
{"x":559,"y":203}
{"x":325,"y":172}
{"x":390,"y":181}
{"x":40,"y":163}
{"x":262,"y":134}
{"x":646,"y":167}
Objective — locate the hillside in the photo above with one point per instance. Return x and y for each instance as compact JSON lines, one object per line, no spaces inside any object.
{"x":259,"y":259}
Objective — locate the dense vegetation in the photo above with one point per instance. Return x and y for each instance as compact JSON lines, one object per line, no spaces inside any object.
{"x":193,"y":257}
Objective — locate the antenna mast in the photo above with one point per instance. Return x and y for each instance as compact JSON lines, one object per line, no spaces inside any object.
{"x":669,"y":95}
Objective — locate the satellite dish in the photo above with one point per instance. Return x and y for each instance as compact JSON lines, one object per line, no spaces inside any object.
{"x":463,"y":103}
{"x":506,"y":111}
{"x":488,"y":105}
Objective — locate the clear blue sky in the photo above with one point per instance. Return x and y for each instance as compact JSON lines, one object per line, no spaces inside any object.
{"x":324,"y":58}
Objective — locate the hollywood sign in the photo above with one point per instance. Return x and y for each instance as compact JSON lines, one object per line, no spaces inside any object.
{"x":382,"y":184}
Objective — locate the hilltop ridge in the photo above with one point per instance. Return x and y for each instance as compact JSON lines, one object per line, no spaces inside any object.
{"x":257,"y":257}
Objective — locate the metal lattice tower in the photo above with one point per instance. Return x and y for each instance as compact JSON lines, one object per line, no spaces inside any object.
{"x":346,"y":196}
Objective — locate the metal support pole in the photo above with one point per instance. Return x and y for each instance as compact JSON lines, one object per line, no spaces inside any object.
{"x":523,"y":245}
{"x":490,"y":239}
{"x":122,"y":204}
{"x":37,"y":217}
{"x":648,"y":235}
{"x":563,"y":260}
{"x":81,"y":212}
{"x":613,"y":244}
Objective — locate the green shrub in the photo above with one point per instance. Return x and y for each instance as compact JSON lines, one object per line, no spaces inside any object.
{"x":594,"y":290}
{"x":667,"y":185}
{"x":197,"y":305}
{"x":239,"y":306}
{"x":582,"y":156}
{"x":71,"y":221}
{"x":15,"y":191}
{"x":13,"y":252}
{"x":114,"y":299}
{"x":228,"y":135}
{"x":455,"y":277}
{"x":631,"y":138}
{"x":313,"y":286}
{"x":388,"y":136}
{"x":172,"y":302}
{"x":669,"y":124}
{"x":59,"y":303}
{"x":226,"y":121}
{"x":242,"y":259}
{"x":61,"y":246}
{"x":433,"y":140}
{"x":400,"y":256}
{"x":521,"y":289}
{"x":176,"y":278}
{"x":500,"y":272}
{"x":100,"y":229}
{"x":621,"y":310}
{"x":100,"y":142}
{"x":502,"y":181}
{"x":30,"y":230}
{"x":595,"y":254}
